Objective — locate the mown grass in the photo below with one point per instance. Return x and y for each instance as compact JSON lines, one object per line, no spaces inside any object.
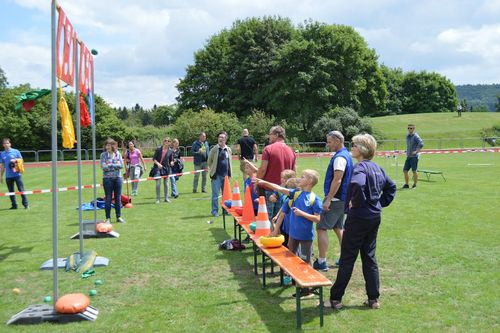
{"x":438,"y":253}
{"x":435,"y":126}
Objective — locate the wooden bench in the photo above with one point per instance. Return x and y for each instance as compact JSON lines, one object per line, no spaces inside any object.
{"x":303,"y":274}
{"x":428,"y":173}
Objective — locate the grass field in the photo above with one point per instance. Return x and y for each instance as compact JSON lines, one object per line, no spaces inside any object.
{"x":438,"y":251}
{"x":437,"y":128}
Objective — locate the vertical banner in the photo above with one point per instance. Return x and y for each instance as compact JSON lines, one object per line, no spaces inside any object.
{"x":65,"y":66}
{"x":85,"y":73}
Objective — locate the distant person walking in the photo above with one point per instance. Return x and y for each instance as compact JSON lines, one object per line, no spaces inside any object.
{"x":11,"y":162}
{"x":111,"y":165}
{"x":200,"y":149}
{"x":219,"y":163}
{"x":247,"y":149}
{"x":413,"y":145}
{"x":276,"y":157}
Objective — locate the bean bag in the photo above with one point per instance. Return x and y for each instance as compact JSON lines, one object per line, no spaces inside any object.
{"x":72,"y":303}
{"x":104,"y":227}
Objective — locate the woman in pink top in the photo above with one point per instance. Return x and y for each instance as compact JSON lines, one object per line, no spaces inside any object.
{"x":135,"y":165}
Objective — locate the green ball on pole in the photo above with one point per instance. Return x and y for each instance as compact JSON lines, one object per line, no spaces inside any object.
{"x":94,"y":52}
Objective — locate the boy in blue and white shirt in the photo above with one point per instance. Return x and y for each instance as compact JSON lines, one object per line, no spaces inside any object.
{"x":8,"y":160}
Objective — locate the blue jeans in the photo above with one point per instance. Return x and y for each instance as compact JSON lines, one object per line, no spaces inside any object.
{"x":272,"y":207}
{"x":173,"y":186}
{"x":112,"y":185}
{"x":20,"y":187}
{"x":217,"y":187}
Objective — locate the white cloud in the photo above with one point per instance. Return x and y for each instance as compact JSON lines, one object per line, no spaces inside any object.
{"x":483,"y":42}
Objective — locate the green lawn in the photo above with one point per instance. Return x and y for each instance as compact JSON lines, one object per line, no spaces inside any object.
{"x":438,"y":253}
{"x":437,"y":128}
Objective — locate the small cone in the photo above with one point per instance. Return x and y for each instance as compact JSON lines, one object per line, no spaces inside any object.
{"x":226,"y":192}
{"x":263,"y":225}
{"x":248,"y":214}
{"x":236,"y":196}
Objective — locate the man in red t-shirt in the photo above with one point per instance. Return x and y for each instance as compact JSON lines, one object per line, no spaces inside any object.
{"x":276,"y":157}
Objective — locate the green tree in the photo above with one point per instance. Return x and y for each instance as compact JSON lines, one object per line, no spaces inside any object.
{"x":258,"y":124}
{"x":426,"y":92}
{"x":190,"y":123}
{"x":394,"y":82}
{"x":343,"y":119}
{"x":164,"y":115}
{"x":497,"y":105}
{"x":3,"y":79}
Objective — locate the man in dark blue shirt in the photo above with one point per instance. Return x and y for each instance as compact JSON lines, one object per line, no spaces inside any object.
{"x":413,"y":145}
{"x":199,"y":149}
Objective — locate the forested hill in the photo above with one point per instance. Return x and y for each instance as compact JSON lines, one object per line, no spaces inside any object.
{"x":479,"y":94}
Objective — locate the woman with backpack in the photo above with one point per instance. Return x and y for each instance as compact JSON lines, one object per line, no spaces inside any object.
{"x":177,"y":165}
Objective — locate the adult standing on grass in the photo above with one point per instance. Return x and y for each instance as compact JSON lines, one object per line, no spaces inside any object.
{"x":246,"y":148}
{"x":177,"y":165}
{"x":111,"y":164}
{"x":219,"y":163}
{"x":200,"y":149}
{"x":413,"y":145}
{"x":11,"y":162}
{"x":337,"y":180}
{"x":369,"y":190}
{"x":162,"y":160}
{"x":276,"y":157}
{"x":135,"y":165}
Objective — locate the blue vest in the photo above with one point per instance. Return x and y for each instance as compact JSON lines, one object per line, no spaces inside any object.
{"x":342,"y":192}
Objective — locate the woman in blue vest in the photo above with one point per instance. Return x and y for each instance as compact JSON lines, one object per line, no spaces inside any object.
{"x":369,"y":190}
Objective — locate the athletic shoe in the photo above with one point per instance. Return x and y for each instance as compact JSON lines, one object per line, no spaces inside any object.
{"x":13,"y":207}
{"x":372,"y":304}
{"x":204,"y":191}
{"x":320,"y":267}
{"x":175,"y":196}
{"x":336,"y":305}
{"x":405,"y":186}
{"x":166,"y":200}
{"x":414,"y":186}
{"x":120,"y":220}
{"x":27,"y":207}
{"x":108,"y":221}
{"x":157,"y":201}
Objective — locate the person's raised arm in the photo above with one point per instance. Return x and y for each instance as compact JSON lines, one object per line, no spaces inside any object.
{"x":272,"y":186}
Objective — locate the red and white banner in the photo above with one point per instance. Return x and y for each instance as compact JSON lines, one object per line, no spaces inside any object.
{"x":65,"y":66}
{"x":86,"y":65}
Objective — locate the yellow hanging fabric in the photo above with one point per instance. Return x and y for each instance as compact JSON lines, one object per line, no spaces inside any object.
{"x":68,"y":131}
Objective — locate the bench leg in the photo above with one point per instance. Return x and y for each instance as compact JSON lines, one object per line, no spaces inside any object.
{"x":321,"y":305}
{"x":272,"y":267}
{"x":224,"y":218}
{"x":442,"y":175}
{"x":255,"y":258}
{"x":239,"y":233}
{"x":298,"y":310}
{"x":235,"y":225}
{"x":263,"y":269}
{"x":282,"y":282}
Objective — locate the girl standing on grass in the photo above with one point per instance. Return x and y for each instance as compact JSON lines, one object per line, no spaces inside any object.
{"x":135,"y":165}
{"x":111,"y":164}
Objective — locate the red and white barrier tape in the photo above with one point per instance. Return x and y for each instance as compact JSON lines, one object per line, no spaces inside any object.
{"x":428,"y":151}
{"x":74,"y":188}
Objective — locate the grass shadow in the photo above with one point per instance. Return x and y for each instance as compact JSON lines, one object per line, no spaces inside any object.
{"x":266,"y":302}
{"x":12,"y":250}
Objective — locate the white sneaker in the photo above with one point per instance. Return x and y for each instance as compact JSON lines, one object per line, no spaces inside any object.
{"x":120,"y":220}
{"x":107,"y":221}
{"x":157,"y":201}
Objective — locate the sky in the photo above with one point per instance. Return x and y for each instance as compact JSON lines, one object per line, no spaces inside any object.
{"x":145,"y":46}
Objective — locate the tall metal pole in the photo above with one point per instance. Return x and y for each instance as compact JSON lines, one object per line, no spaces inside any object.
{"x":78,"y":147}
{"x":94,"y":145}
{"x":54,"y":155}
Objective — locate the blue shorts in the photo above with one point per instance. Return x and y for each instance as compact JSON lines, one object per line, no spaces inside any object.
{"x":411,"y":163}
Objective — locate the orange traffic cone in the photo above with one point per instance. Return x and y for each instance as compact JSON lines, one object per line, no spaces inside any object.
{"x":226,"y":192}
{"x":236,"y":196}
{"x":248,"y":214}
{"x":263,"y":225}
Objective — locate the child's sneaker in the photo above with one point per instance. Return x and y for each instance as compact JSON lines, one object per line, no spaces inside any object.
{"x":372,"y":303}
{"x":108,"y":221}
{"x":405,"y":186}
{"x":120,"y":220}
{"x":320,"y":267}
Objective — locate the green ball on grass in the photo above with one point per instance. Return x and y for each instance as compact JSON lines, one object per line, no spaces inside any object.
{"x":92,"y":292}
{"x":98,"y":282}
{"x":47,"y":299}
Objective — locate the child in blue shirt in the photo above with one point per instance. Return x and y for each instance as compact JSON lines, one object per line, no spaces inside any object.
{"x":282,"y":220}
{"x":305,"y":210}
{"x":251,"y":173}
